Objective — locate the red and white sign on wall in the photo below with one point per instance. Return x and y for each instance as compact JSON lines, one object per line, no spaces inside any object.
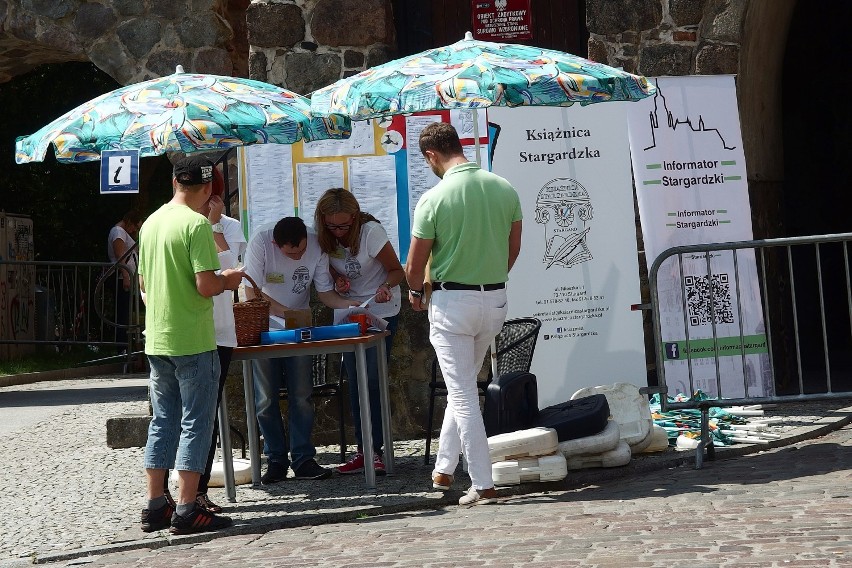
{"x":501,"y":20}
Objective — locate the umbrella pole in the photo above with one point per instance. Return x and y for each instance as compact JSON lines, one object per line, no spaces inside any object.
{"x":476,"y":136}
{"x":479,"y":163}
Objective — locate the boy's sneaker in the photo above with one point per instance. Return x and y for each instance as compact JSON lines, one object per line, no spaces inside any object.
{"x":169,"y":499}
{"x":199,"y":520}
{"x":354,"y":465}
{"x":157,"y":519}
{"x":378,"y":464}
{"x":203,"y":501}
{"x":311,"y":470}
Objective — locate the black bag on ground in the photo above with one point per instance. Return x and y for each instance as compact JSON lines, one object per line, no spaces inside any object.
{"x":577,"y":418}
{"x":511,"y":403}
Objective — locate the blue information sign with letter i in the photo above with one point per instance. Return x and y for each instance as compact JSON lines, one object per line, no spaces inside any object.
{"x":119,"y":171}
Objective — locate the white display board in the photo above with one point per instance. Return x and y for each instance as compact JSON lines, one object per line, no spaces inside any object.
{"x":268,"y":170}
{"x":578,"y":268}
{"x":691,"y":186}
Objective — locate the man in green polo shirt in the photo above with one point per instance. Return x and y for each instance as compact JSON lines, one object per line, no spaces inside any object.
{"x":470,"y":224}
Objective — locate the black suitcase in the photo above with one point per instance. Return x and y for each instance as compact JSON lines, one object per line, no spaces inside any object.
{"x":511,"y":403}
{"x":577,"y":418}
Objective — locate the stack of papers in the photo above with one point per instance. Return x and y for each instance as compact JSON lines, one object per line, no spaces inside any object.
{"x":374,"y":321}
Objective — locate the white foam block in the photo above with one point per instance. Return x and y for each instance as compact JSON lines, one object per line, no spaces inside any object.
{"x":525,"y":470}
{"x":242,"y":473}
{"x":627,"y":406}
{"x":523,"y":443}
{"x":658,"y":441}
{"x":604,"y":441}
{"x":640,"y":447}
{"x":614,"y":458}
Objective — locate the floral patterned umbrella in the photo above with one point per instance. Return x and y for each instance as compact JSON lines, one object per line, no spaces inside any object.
{"x":184,"y":112}
{"x":474,"y":74}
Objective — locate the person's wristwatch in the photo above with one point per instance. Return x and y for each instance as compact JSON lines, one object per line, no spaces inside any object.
{"x":416,"y":293}
{"x":218,"y":228}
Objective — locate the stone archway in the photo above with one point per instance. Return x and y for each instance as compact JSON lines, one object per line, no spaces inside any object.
{"x":131,"y":40}
{"x":759,"y":91}
{"x":816,"y":119}
{"x":816,"y":130}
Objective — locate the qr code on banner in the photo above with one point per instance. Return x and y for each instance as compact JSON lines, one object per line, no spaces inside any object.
{"x":698,"y":296}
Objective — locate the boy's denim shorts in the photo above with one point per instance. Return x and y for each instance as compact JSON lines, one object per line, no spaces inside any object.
{"x":183,"y":396}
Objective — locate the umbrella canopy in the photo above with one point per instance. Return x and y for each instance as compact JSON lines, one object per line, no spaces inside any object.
{"x":184,"y":112}
{"x":475,"y":74}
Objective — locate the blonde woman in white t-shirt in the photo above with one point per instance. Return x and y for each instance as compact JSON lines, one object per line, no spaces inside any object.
{"x":363,"y":264}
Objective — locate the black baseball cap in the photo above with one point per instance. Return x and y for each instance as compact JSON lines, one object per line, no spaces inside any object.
{"x":194,"y":170}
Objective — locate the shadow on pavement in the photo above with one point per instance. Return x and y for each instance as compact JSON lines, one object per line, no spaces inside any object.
{"x":76,"y":396}
{"x":786,"y":464}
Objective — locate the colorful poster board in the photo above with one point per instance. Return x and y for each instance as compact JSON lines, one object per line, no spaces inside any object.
{"x":378,"y":163}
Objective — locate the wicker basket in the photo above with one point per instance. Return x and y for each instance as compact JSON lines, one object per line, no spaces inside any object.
{"x":251,"y":317}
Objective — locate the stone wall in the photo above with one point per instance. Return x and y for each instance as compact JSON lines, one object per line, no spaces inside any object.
{"x":307,"y":44}
{"x":131,"y":40}
{"x":667,"y":37}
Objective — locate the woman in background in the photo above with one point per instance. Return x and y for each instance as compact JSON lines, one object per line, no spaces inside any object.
{"x":119,"y":241}
{"x":363,"y":264}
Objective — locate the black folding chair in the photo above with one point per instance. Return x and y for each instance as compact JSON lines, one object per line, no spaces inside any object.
{"x":515,"y":345}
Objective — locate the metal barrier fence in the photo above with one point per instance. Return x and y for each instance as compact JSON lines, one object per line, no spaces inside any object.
{"x":75,"y":303}
{"x":806,"y":304}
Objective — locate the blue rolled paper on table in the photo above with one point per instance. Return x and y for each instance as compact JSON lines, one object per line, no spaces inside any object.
{"x":302,"y":334}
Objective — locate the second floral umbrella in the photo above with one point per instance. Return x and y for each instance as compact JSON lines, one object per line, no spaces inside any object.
{"x":472,"y":74}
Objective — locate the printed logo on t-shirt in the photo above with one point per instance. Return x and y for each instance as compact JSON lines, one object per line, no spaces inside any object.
{"x":301,"y":279}
{"x":352,"y":267}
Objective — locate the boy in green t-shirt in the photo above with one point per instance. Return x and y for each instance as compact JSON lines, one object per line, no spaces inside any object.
{"x":177,"y":264}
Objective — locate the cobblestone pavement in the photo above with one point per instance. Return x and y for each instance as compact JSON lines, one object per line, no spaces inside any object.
{"x":70,"y":498}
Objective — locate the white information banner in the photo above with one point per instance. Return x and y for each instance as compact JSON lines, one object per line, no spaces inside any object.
{"x":691,"y":185}
{"x":578,"y":268}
